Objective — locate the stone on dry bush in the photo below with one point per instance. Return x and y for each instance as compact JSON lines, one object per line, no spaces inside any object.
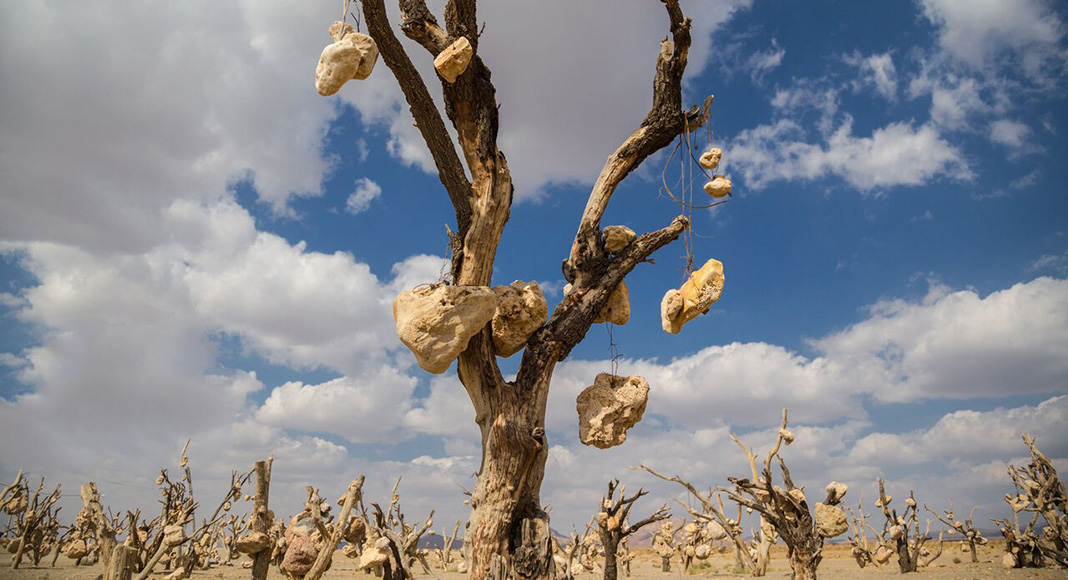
{"x":609,"y":407}
{"x":521,"y":309}
{"x":696,"y":296}
{"x":300,"y":555}
{"x":617,"y":238}
{"x":719,"y":187}
{"x":252,"y":543}
{"x":453,"y":61}
{"x":436,"y":322}
{"x":830,"y":520}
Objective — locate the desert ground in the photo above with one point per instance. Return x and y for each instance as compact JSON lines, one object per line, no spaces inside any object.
{"x":837,"y":565}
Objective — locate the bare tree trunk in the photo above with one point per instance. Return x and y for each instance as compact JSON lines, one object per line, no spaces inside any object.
{"x":971,"y":546}
{"x":803,"y":565}
{"x":121,"y":563}
{"x":261,"y":518}
{"x":611,"y":565}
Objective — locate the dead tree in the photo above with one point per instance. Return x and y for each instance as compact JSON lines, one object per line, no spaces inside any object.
{"x":445,"y":553}
{"x":971,"y":536}
{"x":786,"y":508}
{"x":96,"y":523}
{"x":611,"y":522}
{"x":717,"y":524}
{"x":904,"y":531}
{"x":32,"y":522}
{"x":864,"y":553}
{"x":1039,"y":492}
{"x":508,"y":532}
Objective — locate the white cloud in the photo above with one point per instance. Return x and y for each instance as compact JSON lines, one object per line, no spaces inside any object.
{"x":363,"y":408}
{"x":987,"y":33}
{"x":895,"y":155}
{"x":877,"y":71}
{"x":360,"y":200}
{"x":959,"y":345}
{"x":1011,"y":134}
{"x":762,"y":62}
{"x":1053,"y":262}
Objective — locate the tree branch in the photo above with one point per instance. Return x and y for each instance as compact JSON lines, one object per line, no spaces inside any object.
{"x":427,"y":118}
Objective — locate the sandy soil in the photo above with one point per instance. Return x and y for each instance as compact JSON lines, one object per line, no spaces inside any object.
{"x":837,"y":565}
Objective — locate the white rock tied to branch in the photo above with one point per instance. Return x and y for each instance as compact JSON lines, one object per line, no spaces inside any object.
{"x":437,"y":321}
{"x":697,"y":295}
{"x":521,"y":309}
{"x":352,"y":56}
{"x":453,"y":61}
{"x":609,"y":407}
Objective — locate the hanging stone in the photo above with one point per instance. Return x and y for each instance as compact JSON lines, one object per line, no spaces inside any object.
{"x":617,"y":311}
{"x":352,"y":56}
{"x":710,"y":159}
{"x":521,"y":309}
{"x":610,"y":407}
{"x":719,"y":187}
{"x":696,"y":296}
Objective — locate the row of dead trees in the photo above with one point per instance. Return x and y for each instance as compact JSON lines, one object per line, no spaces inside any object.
{"x":1036,"y":536}
{"x":382,"y":541}
{"x":129,"y":546}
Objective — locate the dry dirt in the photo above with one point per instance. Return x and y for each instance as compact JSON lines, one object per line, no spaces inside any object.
{"x":837,"y":565}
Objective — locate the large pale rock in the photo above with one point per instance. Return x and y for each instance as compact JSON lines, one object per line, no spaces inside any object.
{"x":351,"y":56}
{"x":252,"y":543}
{"x":173,"y":535}
{"x":617,"y":238}
{"x":696,"y":296}
{"x":453,"y":61}
{"x":436,"y":322}
{"x":719,"y":187}
{"x":1008,"y":561}
{"x":609,"y":407}
{"x":617,"y":311}
{"x":830,"y":520}
{"x":300,"y":555}
{"x":521,"y":309}
{"x":836,"y":491}
{"x":372,"y":558}
{"x":714,"y":531}
{"x":74,"y":549}
{"x":882,"y":555}
{"x":710,"y":159}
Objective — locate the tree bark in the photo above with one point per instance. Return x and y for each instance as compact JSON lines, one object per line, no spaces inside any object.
{"x":804,"y":565}
{"x":261,"y":518}
{"x":120,"y":564}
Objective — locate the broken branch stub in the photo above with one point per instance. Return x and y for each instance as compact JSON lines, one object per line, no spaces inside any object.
{"x":436,"y":322}
{"x":453,"y":61}
{"x":610,"y":407}
{"x":352,"y":56}
{"x":521,"y":309}
{"x":696,"y":296}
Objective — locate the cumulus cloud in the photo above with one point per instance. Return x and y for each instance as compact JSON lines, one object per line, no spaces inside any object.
{"x":898,"y":154}
{"x":360,"y":199}
{"x":876,"y":71}
{"x":1011,"y":134}
{"x":986,"y":33}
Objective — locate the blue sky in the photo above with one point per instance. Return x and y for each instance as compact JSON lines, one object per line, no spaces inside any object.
{"x":195,"y":244}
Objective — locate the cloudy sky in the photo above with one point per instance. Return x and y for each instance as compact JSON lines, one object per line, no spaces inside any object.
{"x":194,"y":244}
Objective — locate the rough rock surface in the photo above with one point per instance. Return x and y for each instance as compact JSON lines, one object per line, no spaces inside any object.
{"x":609,"y":407}
{"x":714,"y":531}
{"x":719,"y":187}
{"x":372,"y":557}
{"x":836,"y":491}
{"x":73,"y":550}
{"x":830,"y":520}
{"x":252,"y":543}
{"x":616,"y":238}
{"x":617,"y":311}
{"x":521,"y":309}
{"x":453,"y":61}
{"x":300,"y":555}
{"x":696,"y":296}
{"x":710,"y":159}
{"x":351,"y":56}
{"x":436,"y":322}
